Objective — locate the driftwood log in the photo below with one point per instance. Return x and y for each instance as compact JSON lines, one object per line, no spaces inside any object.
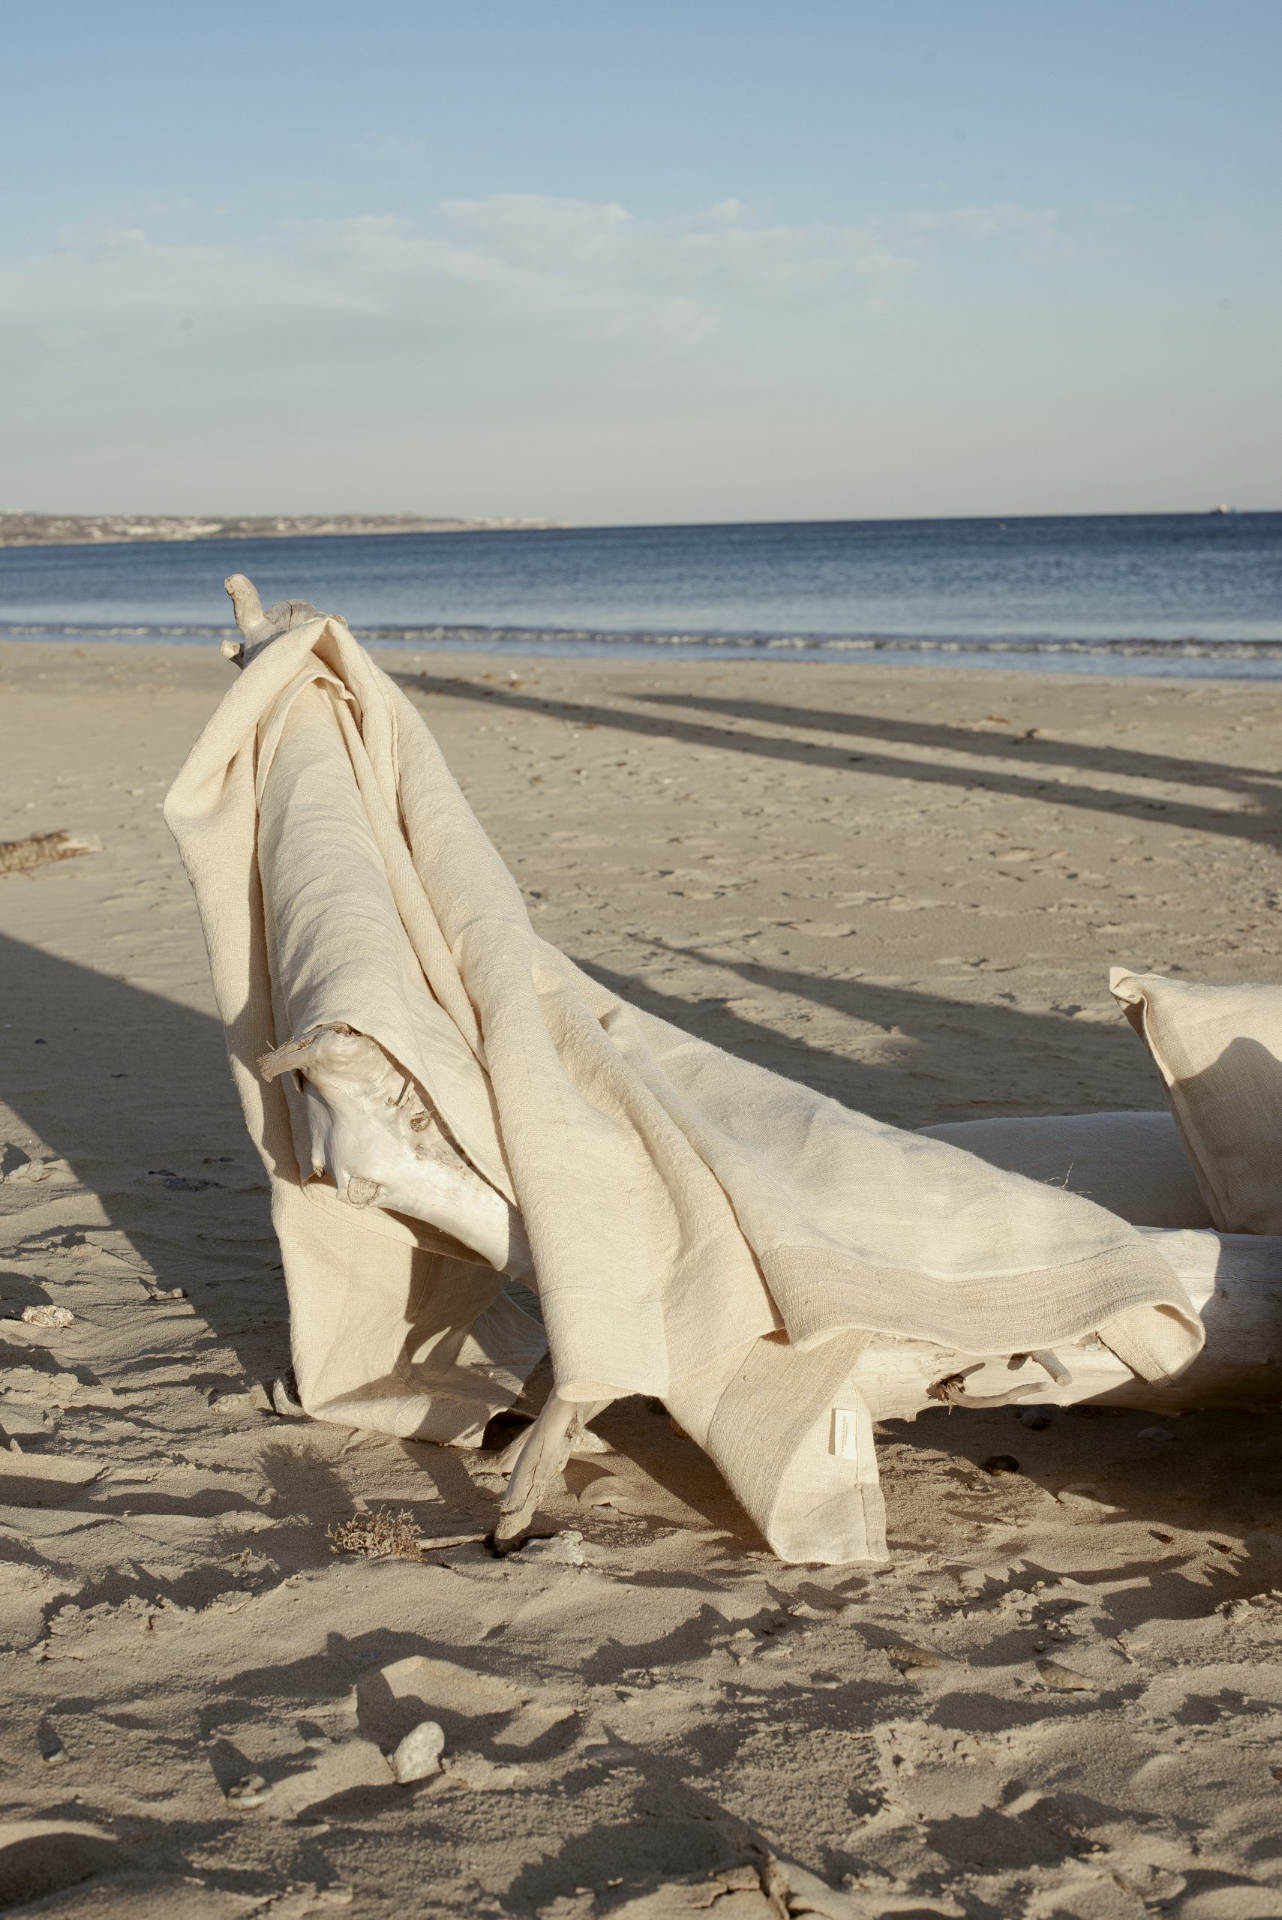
{"x":382,"y":1143}
{"x":1234,"y":1280}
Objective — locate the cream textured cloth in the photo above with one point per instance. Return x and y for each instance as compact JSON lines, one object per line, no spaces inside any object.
{"x":701,"y":1229}
{"x":1219,"y":1052}
{"x":1132,"y":1163}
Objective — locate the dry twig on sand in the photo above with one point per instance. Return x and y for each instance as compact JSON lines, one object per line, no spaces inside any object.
{"x":38,"y":849}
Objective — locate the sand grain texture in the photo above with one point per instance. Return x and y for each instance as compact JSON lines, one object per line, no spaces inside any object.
{"x":905,"y":887}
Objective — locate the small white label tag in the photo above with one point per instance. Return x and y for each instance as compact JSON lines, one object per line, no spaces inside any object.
{"x":845,"y":1433}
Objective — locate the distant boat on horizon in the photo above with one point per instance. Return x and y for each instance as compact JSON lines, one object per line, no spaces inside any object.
{"x":1223,"y":509}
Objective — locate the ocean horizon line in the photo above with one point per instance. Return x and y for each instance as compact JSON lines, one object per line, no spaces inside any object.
{"x":179,"y":529}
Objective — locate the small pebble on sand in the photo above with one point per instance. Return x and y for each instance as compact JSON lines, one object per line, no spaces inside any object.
{"x":419,"y":1753}
{"x":911,"y":1659}
{"x":1063,"y":1679}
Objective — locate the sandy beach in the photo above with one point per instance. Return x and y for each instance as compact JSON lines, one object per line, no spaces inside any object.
{"x":1062,"y":1700}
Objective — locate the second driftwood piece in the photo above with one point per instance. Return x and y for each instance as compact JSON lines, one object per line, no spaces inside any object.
{"x":41,"y":849}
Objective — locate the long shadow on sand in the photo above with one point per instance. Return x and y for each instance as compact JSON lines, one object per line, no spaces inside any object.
{"x":134,"y":1092}
{"x":1260,"y":785}
{"x":952,"y":1045}
{"x":1263,"y":823}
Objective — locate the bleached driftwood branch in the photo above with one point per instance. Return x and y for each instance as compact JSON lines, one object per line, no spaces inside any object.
{"x":382,"y":1143}
{"x":536,"y":1460}
{"x":257,"y":626}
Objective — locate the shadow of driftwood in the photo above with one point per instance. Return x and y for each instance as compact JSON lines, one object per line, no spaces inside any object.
{"x":1072,"y":1064}
{"x":672,"y":1830}
{"x":133,"y":1092}
{"x":1262,"y":823}
{"x":1208,"y":1486}
{"x":1259,"y":785}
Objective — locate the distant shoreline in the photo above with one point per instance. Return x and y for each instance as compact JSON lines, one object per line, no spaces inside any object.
{"x":22,"y":529}
{"x":19,"y":529}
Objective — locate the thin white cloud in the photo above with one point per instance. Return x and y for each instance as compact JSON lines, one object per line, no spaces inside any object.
{"x":984,"y":222}
{"x":721,"y":243}
{"x":534,"y":227}
{"x":121,"y":270}
{"x":511,"y":263}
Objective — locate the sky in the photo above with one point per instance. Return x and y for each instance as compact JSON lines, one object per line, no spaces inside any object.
{"x":624,"y":263}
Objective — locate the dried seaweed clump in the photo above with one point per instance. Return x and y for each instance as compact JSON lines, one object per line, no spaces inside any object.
{"x":22,"y":856}
{"x":380,"y":1535}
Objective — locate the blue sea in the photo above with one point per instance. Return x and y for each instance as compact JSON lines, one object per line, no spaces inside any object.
{"x":1187,"y":594}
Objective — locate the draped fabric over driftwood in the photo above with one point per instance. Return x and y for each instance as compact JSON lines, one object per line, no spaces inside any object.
{"x":701,"y":1229}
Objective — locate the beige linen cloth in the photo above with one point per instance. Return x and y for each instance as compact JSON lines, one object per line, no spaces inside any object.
{"x":1219,"y":1052}
{"x":701,"y":1229}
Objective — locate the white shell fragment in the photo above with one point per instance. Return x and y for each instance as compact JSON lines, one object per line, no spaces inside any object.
{"x":419,"y":1754}
{"x":251,"y":1791}
{"x":47,"y":1316}
{"x":29,"y":1172}
{"x":561,"y":1550}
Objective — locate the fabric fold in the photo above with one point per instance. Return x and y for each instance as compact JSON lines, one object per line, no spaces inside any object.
{"x":692,"y":1219}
